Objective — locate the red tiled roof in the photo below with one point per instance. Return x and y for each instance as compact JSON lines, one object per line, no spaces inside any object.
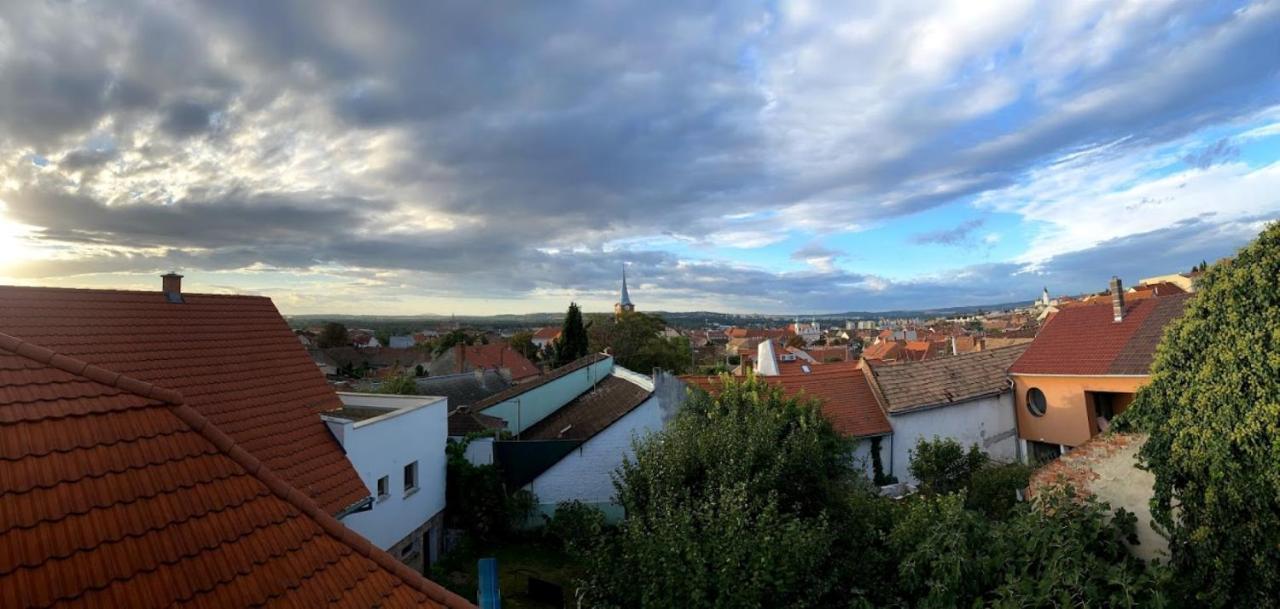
{"x":232,"y":357}
{"x":547,"y":333}
{"x":494,"y":356}
{"x":884,"y":350}
{"x":841,"y":389}
{"x":1086,"y":340}
{"x":116,"y":493}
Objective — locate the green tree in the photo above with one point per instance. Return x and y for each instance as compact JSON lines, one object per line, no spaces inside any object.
{"x":1059,"y":551}
{"x":522,"y":342}
{"x":760,"y":529}
{"x":399,"y":385}
{"x":332,"y":335}
{"x":572,"y":343}
{"x":452,"y":339}
{"x":1212,"y":412}
{"x":636,"y":342}
{"x":943,"y":466}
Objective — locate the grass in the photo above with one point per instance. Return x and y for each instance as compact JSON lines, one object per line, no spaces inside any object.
{"x":517,"y":560}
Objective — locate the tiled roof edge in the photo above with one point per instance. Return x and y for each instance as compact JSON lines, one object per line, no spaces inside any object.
{"x":84,"y":369}
{"x":251,"y":464}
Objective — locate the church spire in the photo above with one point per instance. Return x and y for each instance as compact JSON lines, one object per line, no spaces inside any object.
{"x":624,"y":302}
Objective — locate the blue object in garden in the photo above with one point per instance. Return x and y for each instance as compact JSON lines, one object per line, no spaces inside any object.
{"x":489,"y":595}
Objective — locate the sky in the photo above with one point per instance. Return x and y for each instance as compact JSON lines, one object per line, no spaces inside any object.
{"x":509,"y":157}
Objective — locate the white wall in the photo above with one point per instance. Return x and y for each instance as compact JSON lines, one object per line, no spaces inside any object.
{"x":480,"y":451}
{"x":862,"y":455}
{"x":988,"y":422}
{"x":585,"y":473}
{"x":522,"y":411}
{"x":382,"y":447}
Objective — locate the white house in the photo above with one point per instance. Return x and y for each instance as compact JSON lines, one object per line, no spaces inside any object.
{"x":572,"y":428}
{"x":397,"y":446}
{"x":401,"y":342}
{"x":966,"y":397}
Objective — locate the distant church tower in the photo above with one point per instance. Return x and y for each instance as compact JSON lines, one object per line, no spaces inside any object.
{"x":624,"y":304}
{"x":1044,"y":299}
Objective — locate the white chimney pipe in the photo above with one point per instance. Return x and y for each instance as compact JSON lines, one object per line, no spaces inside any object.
{"x":766,"y":359}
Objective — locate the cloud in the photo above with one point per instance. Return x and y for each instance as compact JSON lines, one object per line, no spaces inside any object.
{"x":451,"y":147}
{"x":963,"y":235}
{"x":1220,"y":151}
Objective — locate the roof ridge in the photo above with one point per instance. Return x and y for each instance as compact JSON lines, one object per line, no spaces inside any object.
{"x":50,"y":288}
{"x":84,"y":369}
{"x":228,"y":447}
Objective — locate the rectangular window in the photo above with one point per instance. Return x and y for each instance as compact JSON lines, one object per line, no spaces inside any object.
{"x":411,"y":550}
{"x":384,"y":487}
{"x":411,"y":477}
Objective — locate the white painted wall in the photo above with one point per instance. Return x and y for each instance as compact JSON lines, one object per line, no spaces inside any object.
{"x":862,"y":455}
{"x":585,"y":473}
{"x":522,"y":411}
{"x":480,"y":451}
{"x":988,"y":422}
{"x":415,"y":429}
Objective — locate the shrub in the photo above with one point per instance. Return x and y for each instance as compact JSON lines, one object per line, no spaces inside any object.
{"x":575,"y":526}
{"x":993,"y":490}
{"x":942,"y":465}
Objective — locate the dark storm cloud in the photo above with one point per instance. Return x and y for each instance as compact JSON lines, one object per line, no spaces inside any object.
{"x":537,"y":127}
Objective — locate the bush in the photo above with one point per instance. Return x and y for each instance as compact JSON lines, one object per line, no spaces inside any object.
{"x":575,"y":526}
{"x":1212,"y":412}
{"x":942,"y":466}
{"x":993,"y":490}
{"x":729,"y":507}
{"x":478,"y":501}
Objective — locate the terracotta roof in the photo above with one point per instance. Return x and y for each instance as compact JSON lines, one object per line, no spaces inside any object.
{"x":499,"y":355}
{"x":1086,"y":340}
{"x":547,"y":333}
{"x":946,"y":380}
{"x":118,"y":494}
{"x":516,"y":390}
{"x":233,"y":358}
{"x":884,"y":350}
{"x":841,"y":389}
{"x":590,"y":413}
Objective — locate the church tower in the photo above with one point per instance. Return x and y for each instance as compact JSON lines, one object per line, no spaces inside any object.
{"x":624,"y":303}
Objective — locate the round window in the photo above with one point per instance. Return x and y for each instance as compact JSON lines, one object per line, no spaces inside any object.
{"x":1035,"y":402}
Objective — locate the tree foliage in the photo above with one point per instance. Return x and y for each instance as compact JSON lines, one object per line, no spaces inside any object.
{"x":522,"y":343}
{"x":401,"y":384}
{"x":942,"y":465}
{"x":478,"y":501}
{"x":572,"y":343}
{"x":636,"y":342}
{"x":332,"y":335}
{"x":749,"y":499}
{"x":1212,"y":411}
{"x":452,"y":339}
{"x":728,"y":507}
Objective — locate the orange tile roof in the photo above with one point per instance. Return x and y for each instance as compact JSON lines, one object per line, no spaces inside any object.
{"x":547,"y":333}
{"x":884,"y":350}
{"x":841,"y":389}
{"x":1086,"y":339}
{"x":495,"y":356}
{"x":116,"y":493}
{"x":232,"y":357}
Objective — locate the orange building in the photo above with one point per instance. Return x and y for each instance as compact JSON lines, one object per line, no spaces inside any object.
{"x":1085,"y":367}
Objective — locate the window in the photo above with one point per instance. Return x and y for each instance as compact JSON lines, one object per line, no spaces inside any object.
{"x":1036,"y":404}
{"x":384,"y":487}
{"x":410,"y":478}
{"x":412,"y":549}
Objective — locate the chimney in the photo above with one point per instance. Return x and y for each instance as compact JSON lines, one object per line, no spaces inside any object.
{"x":171,"y":285}
{"x":1117,"y":298}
